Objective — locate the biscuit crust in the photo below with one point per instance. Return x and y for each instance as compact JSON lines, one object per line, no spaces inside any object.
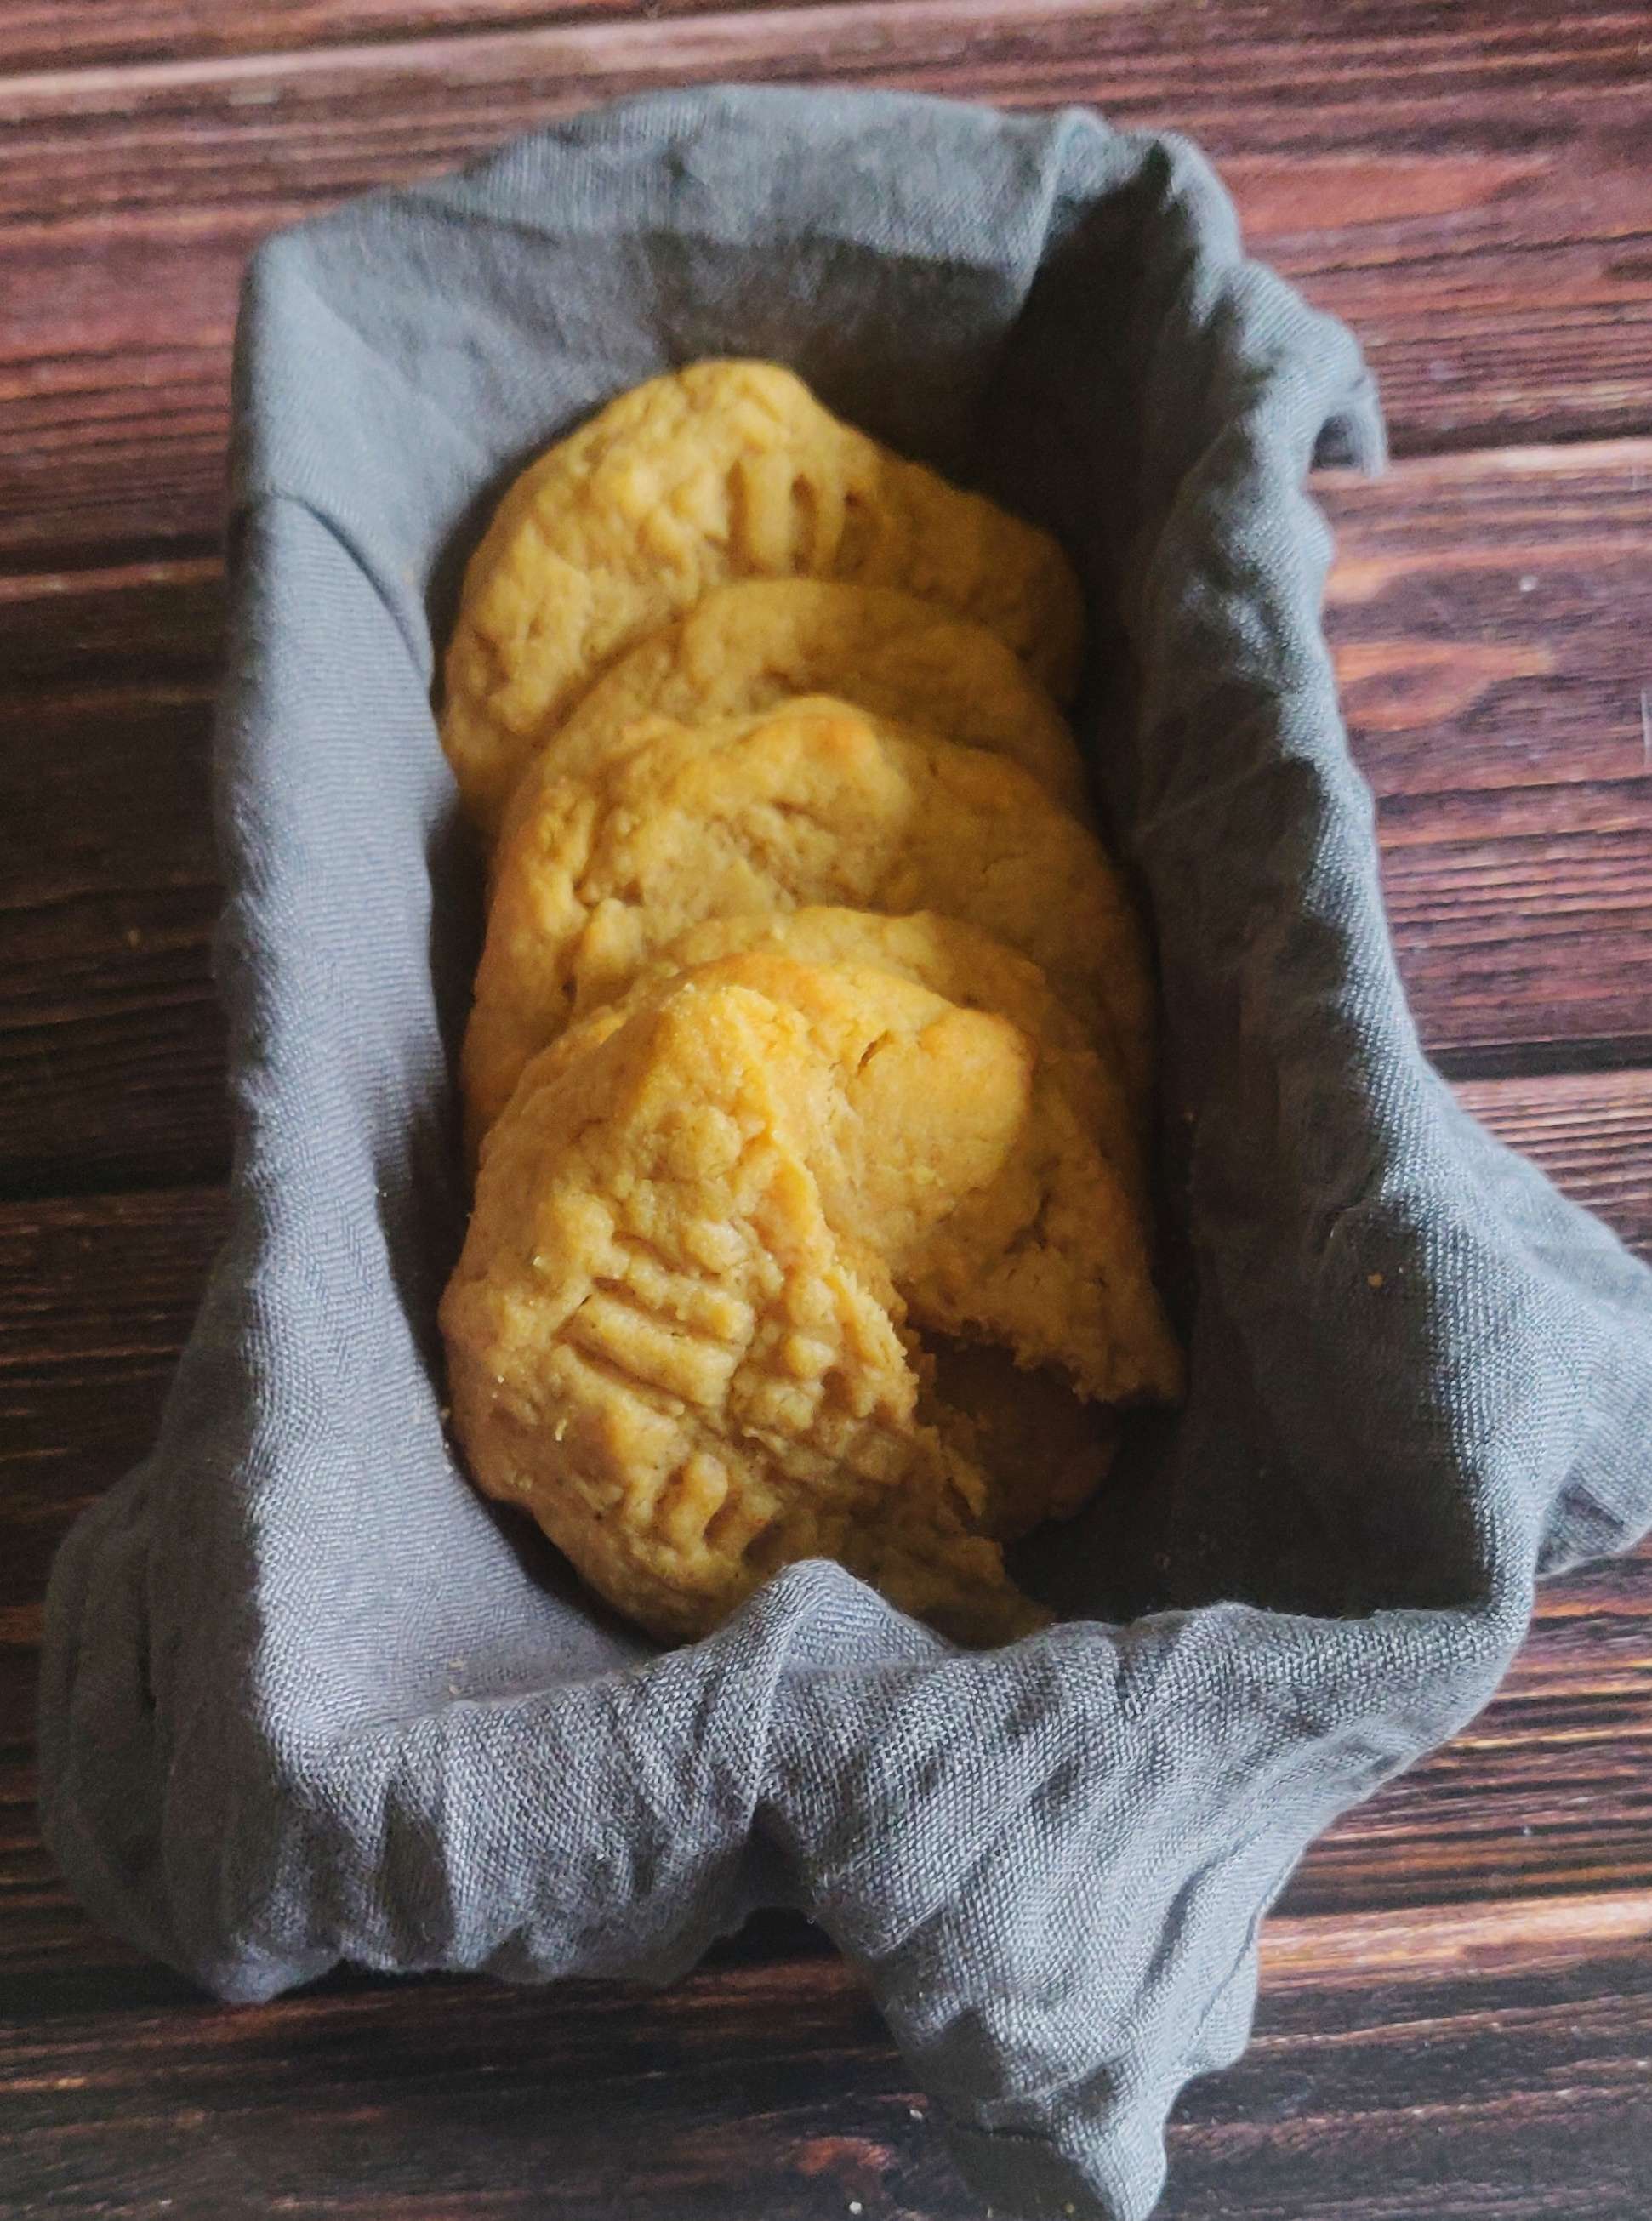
{"x":813,"y":804}
{"x":751,"y":647}
{"x":718,"y":471}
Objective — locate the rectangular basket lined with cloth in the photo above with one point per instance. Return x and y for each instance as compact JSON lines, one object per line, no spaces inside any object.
{"x":307,"y":1698}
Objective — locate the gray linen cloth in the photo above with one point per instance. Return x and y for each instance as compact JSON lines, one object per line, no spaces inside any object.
{"x":307,"y":1697}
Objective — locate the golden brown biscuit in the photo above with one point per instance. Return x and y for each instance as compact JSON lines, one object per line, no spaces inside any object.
{"x":678,"y":1333}
{"x":658,"y":1345}
{"x":751,"y":647}
{"x":1043,"y":1447}
{"x":721,"y":470}
{"x":979,"y":1275}
{"x":814,"y":803}
{"x":950,"y":958}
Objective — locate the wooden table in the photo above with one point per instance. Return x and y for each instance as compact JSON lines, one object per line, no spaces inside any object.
{"x":1456,"y":2016}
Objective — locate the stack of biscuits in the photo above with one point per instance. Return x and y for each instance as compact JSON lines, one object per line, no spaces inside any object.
{"x":805,"y":1079}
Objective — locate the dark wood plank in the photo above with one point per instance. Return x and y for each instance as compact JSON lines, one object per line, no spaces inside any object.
{"x":1467,"y":186}
{"x":96,"y":1300}
{"x":1486,"y":614}
{"x":50,"y":34}
{"x":111,"y":1060}
{"x":1385,"y":2083}
{"x":1591,"y":1132}
{"x":55,"y":35}
{"x":139,"y":623}
{"x":1525,"y":926}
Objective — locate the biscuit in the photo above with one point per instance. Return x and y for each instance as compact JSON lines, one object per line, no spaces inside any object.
{"x":751,"y":647}
{"x":681,"y":1333}
{"x":1043,"y":1447}
{"x":983,"y":1256}
{"x":812,"y":803}
{"x":719,"y":472}
{"x":950,"y":958}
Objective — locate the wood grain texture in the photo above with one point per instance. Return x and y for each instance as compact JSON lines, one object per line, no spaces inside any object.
{"x":1591,"y":1132}
{"x":1488,"y":617}
{"x":142,"y":623}
{"x":111,"y":1056}
{"x":763,"y":2086}
{"x":1467,"y":186}
{"x":36,"y":34}
{"x":1487,"y":613}
{"x":41,"y":36}
{"x":96,"y":1299}
{"x":1456,"y":2019}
